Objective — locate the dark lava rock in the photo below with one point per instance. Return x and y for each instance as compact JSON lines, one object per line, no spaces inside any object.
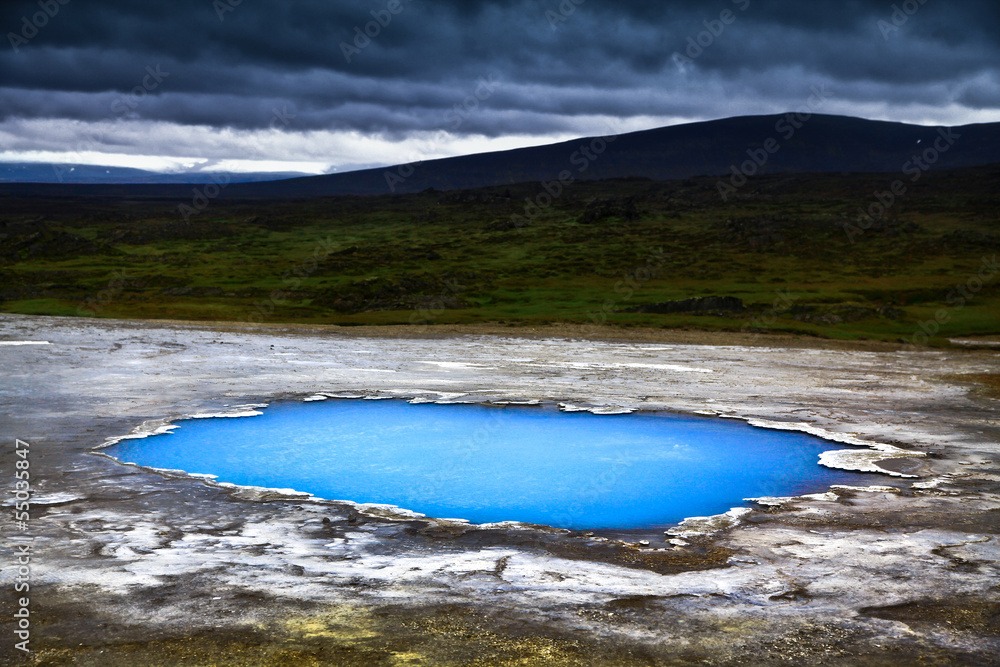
{"x":506,"y":224}
{"x":44,"y":242}
{"x":839,"y":314}
{"x":409,"y":291}
{"x":603,"y":209}
{"x":704,"y":305}
{"x":970,"y":239}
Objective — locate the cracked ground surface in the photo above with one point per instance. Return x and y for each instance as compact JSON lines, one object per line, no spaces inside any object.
{"x":134,"y":567}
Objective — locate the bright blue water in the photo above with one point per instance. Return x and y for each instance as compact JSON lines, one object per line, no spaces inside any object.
{"x":485,"y":464}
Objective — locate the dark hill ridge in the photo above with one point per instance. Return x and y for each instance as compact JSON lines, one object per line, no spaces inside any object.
{"x":819,"y":144}
{"x":797,"y":143}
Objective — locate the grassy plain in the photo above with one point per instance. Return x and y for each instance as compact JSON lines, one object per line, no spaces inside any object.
{"x":789,"y":246}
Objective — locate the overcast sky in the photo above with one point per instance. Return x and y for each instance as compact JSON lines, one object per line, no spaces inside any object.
{"x":269,"y":85}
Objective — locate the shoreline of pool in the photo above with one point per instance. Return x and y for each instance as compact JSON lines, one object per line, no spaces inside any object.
{"x":129,"y":560}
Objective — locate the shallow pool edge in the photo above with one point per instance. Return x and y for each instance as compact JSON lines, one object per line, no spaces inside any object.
{"x":860,"y":460}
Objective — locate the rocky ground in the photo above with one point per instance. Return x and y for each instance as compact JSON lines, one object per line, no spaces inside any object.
{"x":131,"y":567}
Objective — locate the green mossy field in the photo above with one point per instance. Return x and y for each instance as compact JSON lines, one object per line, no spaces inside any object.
{"x":789,"y":247}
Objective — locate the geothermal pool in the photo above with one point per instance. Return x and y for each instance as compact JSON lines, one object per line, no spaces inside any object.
{"x":487,"y":464}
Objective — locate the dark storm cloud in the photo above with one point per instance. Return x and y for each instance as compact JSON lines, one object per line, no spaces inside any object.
{"x":234,"y":65}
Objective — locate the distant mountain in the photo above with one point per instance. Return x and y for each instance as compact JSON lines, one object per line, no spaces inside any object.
{"x":748,"y":144}
{"x":818,"y":144}
{"x":35,"y":172}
